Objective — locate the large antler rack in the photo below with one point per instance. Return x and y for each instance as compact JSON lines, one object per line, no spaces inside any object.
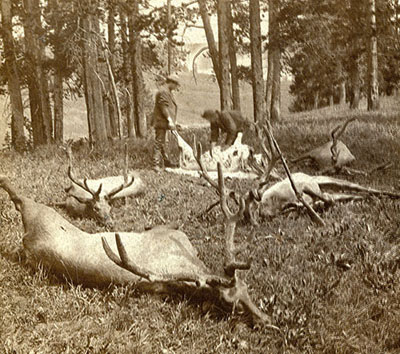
{"x":125,"y":262}
{"x":232,"y":265}
{"x":84,"y":186}
{"x":231,"y":288}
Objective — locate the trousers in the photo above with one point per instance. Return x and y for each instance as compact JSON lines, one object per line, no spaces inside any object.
{"x":160,"y":157}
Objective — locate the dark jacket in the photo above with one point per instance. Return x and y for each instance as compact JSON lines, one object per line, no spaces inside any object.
{"x":229,"y":122}
{"x":164,"y":107}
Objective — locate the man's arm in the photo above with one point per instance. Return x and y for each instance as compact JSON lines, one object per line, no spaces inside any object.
{"x":230,"y":139}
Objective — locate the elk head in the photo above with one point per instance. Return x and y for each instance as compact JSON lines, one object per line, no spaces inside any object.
{"x":97,"y":205}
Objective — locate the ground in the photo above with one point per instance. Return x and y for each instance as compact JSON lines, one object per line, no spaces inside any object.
{"x":328,"y":289}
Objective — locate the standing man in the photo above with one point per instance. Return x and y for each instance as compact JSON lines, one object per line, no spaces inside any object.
{"x":229,"y":122}
{"x":164,"y":118}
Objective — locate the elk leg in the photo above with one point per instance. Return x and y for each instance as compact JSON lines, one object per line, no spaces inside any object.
{"x":325,"y":197}
{"x":340,"y":197}
{"x":352,"y":171}
{"x":59,"y":204}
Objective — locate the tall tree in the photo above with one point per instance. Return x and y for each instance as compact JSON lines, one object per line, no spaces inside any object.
{"x":91,"y":74}
{"x":136,"y":69}
{"x":17,"y":112}
{"x":275,"y":110}
{"x":355,"y":54}
{"x":223,"y":54}
{"x":39,"y":99}
{"x":233,"y":61}
{"x":256,"y":61}
{"x":169,"y":39}
{"x":110,"y":98}
{"x":268,"y":84}
{"x":126,"y":71}
{"x":212,"y":47}
{"x":58,"y":90}
{"x":373,"y":93}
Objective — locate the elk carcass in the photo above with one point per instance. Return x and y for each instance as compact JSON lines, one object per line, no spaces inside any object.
{"x":333,"y":155}
{"x":162,"y":260}
{"x":92,"y":197}
{"x":235,"y":159}
{"x":313,"y":189}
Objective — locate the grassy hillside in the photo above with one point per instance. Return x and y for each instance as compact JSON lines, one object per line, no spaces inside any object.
{"x":328,"y":289}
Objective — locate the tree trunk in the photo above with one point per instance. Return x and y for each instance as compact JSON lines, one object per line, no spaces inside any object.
{"x":58,"y":94}
{"x":342,"y":93}
{"x":108,"y":108}
{"x":223,"y":54}
{"x":58,"y":90}
{"x":169,"y":44}
{"x":354,"y":58}
{"x":355,"y":83}
{"x":233,"y":61}
{"x":111,"y":31}
{"x":109,"y":57}
{"x":212,"y":47}
{"x":17,"y":111}
{"x":316,"y":99}
{"x":39,"y":99}
{"x":92,"y":83}
{"x":115,"y":104}
{"x":136,"y":68}
{"x":126,"y":65}
{"x":257,"y":78}
{"x":373,"y":93}
{"x":276,"y":64}
{"x":268,"y":89}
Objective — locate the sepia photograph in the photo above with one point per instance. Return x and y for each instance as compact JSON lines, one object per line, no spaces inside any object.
{"x":199,"y":176}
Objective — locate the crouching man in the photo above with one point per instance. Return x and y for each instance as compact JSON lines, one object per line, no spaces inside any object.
{"x":229,"y":122}
{"x":164,"y":118}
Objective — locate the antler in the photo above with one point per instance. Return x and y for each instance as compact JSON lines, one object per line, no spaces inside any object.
{"x":197,"y":152}
{"x":271,"y":156}
{"x":84,"y":185}
{"x":231,"y":219}
{"x":125,"y":262}
{"x":238,"y":291}
{"x":336,"y":133}
{"x":116,"y":190}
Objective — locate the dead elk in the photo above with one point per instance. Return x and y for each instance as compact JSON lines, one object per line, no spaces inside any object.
{"x":162,"y":260}
{"x":333,"y":155}
{"x":314,"y":189}
{"x":93,"y":197}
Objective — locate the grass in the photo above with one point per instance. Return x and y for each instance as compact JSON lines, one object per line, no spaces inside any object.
{"x":329,"y":290}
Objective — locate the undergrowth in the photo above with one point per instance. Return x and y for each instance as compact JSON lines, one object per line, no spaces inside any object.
{"x":328,"y":289}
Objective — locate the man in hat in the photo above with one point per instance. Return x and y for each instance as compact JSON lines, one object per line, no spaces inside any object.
{"x":164,"y":118}
{"x":230,"y":122}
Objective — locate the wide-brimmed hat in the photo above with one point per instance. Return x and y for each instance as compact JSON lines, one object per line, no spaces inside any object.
{"x":173,"y":78}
